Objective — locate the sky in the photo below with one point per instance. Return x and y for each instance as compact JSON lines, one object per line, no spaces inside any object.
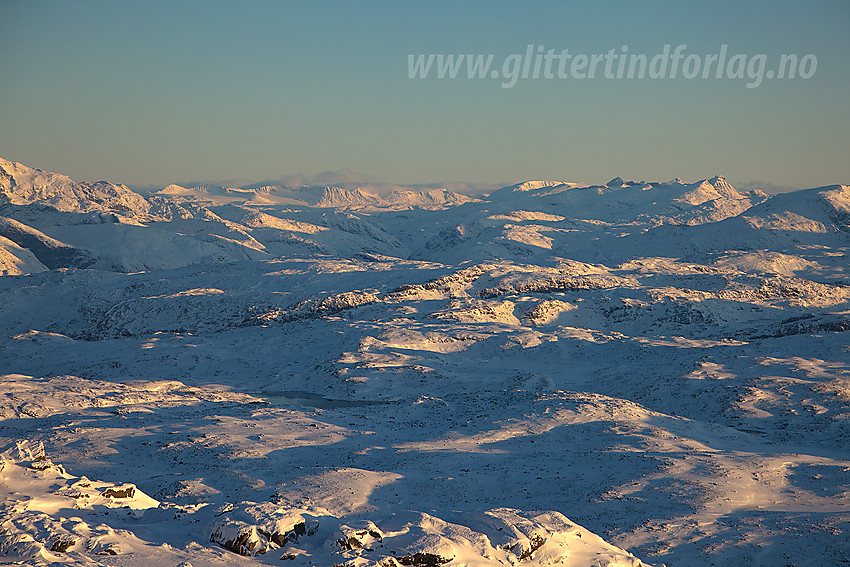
{"x":152,"y":93}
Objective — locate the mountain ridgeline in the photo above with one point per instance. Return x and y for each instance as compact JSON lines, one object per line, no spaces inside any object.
{"x":50,"y":221}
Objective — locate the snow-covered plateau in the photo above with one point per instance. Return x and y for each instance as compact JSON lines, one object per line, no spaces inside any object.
{"x":635,"y":373}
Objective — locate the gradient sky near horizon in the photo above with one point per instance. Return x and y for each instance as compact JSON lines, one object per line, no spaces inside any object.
{"x":151,"y":93}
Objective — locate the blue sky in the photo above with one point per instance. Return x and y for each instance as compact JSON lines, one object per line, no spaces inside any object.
{"x":150,"y":93}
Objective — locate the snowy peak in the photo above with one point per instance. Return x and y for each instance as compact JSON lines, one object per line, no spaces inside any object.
{"x":822,"y":209}
{"x":723,"y":188}
{"x":204,"y":191}
{"x":532,"y":185}
{"x":339,"y":197}
{"x":530,"y":188}
{"x":709,"y":190}
{"x":174,"y":189}
{"x":838,"y":198}
{"x":427,"y":199}
{"x":22,"y":185}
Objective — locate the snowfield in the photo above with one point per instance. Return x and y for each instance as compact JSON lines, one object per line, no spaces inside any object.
{"x":555,"y":374}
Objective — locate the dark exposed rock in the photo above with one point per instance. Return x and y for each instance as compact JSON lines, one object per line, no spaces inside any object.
{"x":62,"y":543}
{"x":423,"y":560}
{"x":123,"y":492}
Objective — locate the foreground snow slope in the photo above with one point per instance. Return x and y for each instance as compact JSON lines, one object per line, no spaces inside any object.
{"x":555,"y":374}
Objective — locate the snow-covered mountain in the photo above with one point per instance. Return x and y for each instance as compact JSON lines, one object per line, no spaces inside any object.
{"x":821,"y":210}
{"x":22,"y":185}
{"x":707,"y":200}
{"x":624,"y":374}
{"x":50,"y":252}
{"x":596,"y":223}
{"x":808,"y":229}
{"x":370,"y":198}
{"x":16,"y":260}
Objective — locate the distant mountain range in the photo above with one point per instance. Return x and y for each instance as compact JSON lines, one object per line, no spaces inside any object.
{"x":324,"y":196}
{"x":50,"y":221}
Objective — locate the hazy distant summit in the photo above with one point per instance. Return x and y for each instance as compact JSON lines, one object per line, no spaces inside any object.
{"x":323,"y":196}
